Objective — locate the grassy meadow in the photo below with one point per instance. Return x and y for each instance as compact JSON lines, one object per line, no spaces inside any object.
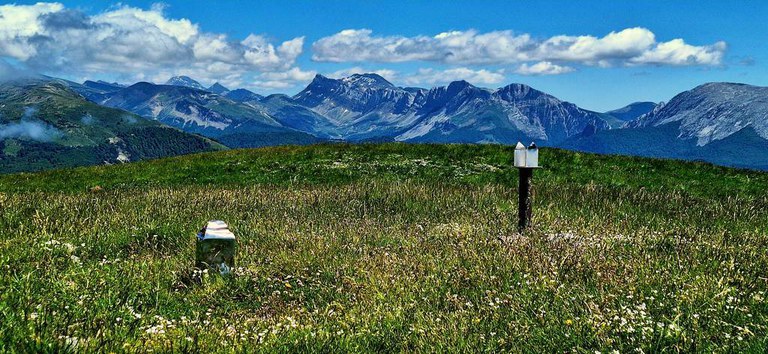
{"x":390,"y":247}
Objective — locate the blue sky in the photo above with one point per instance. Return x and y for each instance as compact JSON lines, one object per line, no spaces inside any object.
{"x":564,"y":48}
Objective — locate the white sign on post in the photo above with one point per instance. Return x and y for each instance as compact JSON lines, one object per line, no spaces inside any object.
{"x":520,"y":152}
{"x":532,"y":156}
{"x":526,"y":157}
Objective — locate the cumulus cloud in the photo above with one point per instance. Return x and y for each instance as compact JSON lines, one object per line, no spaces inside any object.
{"x":294,"y":74}
{"x":390,"y":75}
{"x":433,"y":77}
{"x":677,"y":52}
{"x":631,"y":46}
{"x":543,"y":68}
{"x":132,"y":44}
{"x":283,"y":79}
{"x":133,"y":41}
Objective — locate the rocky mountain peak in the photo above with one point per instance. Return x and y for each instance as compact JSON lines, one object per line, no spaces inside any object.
{"x":185,"y":81}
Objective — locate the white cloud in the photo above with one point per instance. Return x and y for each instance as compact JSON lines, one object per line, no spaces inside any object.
{"x":272,"y":85}
{"x":433,"y":77}
{"x":428,"y":76}
{"x":543,"y":68}
{"x":390,"y":75}
{"x":294,"y":74}
{"x":132,"y":19}
{"x":631,"y":46}
{"x":133,"y":42}
{"x":616,"y":46}
{"x":17,"y":23}
{"x":292,"y":48}
{"x":283,"y":79}
{"x":677,"y":52}
{"x":144,"y":44}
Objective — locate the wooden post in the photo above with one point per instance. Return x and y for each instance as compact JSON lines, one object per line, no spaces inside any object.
{"x":525,"y":205}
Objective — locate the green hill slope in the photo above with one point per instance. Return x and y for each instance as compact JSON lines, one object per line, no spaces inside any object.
{"x":44,"y":125}
{"x":387,"y":248}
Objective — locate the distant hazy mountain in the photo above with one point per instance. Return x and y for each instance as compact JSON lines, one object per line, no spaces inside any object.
{"x":629,"y":112}
{"x":723,"y":123}
{"x":361,"y":106}
{"x":231,"y":123}
{"x":243,"y":95}
{"x":103,"y":86}
{"x":464,"y":113}
{"x":293,"y":115}
{"x":720,"y":122}
{"x":713,"y":111}
{"x":185,"y":81}
{"x":632,"y":111}
{"x":366,"y":106}
{"x":218,"y":89}
{"x":93,"y":91}
{"x":44,"y":124}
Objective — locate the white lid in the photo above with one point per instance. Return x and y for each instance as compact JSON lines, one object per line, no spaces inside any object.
{"x":216,"y":225}
{"x":218,"y":230}
{"x":218,"y":235}
{"x":519,"y":146}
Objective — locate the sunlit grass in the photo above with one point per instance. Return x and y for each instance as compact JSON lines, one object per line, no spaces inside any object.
{"x":386,"y":248}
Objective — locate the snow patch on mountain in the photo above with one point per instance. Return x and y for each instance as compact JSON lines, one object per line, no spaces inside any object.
{"x":155,"y":107}
{"x":194,"y":116}
{"x":712,"y":112}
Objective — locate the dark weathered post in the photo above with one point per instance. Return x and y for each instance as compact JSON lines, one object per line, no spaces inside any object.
{"x":525,"y":207}
{"x":526,"y":160}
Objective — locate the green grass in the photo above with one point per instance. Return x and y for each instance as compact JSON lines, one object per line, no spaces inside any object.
{"x":387,"y":248}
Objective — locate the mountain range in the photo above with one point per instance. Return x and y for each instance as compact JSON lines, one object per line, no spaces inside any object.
{"x":718,"y":122}
{"x":235,"y":124}
{"x":366,"y":107}
{"x":45,"y":124}
{"x":722,"y":123}
{"x":358,"y":108}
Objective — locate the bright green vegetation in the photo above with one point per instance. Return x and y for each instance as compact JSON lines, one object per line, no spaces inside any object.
{"x":387,"y":248}
{"x":45,"y":125}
